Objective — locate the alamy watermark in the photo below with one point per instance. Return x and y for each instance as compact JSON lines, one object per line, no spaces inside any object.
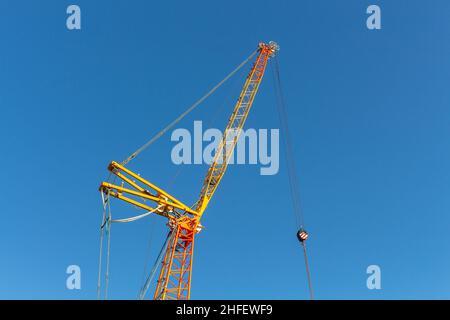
{"x":73,"y":21}
{"x":374,"y":279}
{"x":251,"y":147}
{"x":373,"y":22}
{"x":73,"y":281}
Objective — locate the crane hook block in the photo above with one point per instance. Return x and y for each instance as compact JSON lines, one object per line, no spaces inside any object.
{"x":302,"y":235}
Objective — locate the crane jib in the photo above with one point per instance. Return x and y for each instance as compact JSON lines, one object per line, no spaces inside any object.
{"x":234,"y":127}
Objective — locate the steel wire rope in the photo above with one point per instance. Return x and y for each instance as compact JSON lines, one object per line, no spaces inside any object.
{"x":149,"y":279}
{"x":185,"y":113}
{"x":292,"y":174}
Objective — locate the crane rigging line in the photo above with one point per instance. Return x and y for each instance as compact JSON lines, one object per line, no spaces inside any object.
{"x":108,"y":251}
{"x":149,"y":279}
{"x":292,"y":173}
{"x":106,"y":223}
{"x":134,"y":218}
{"x":308,"y":273}
{"x":148,"y":250}
{"x":189,"y":110}
{"x":101,"y":248}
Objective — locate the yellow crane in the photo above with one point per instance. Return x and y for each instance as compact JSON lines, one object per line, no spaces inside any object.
{"x":174,"y":281}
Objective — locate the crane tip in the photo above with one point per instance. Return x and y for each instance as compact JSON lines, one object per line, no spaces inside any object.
{"x":272,"y":46}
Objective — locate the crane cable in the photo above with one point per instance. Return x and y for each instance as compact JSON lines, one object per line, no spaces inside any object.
{"x":185,"y":113}
{"x":101,"y":248}
{"x":282,"y":115}
{"x":138,"y":217}
{"x":106,"y":222}
{"x":149,"y":279}
{"x":292,"y":173}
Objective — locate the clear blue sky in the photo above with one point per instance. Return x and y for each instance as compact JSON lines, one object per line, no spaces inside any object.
{"x":370,"y":119}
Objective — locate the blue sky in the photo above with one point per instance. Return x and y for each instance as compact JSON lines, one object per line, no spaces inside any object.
{"x":370,"y":121}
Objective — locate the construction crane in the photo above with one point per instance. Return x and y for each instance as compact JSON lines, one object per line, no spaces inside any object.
{"x":174,"y":281}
